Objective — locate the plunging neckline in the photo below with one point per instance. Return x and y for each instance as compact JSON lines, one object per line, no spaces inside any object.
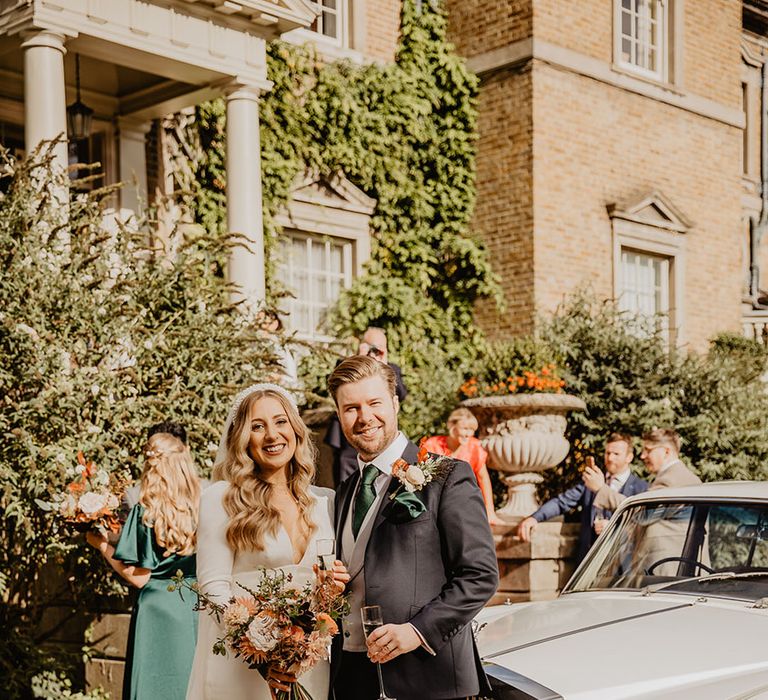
{"x":309,"y":537}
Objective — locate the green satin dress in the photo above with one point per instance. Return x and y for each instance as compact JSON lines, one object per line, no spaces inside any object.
{"x":161,"y":641}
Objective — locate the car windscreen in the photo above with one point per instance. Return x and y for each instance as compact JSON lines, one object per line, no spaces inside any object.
{"x":708,"y":548}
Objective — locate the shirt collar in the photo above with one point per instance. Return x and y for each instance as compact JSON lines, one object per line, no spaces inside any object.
{"x":621,"y":477}
{"x":386,"y":459}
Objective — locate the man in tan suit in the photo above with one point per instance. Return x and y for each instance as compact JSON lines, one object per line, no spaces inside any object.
{"x":664,"y":532}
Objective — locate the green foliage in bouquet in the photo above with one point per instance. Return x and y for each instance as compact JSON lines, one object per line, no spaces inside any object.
{"x":631,"y":382}
{"x":403,"y":132}
{"x":102,"y":334}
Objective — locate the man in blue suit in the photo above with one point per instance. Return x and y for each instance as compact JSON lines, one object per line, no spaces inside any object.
{"x":618,"y":475}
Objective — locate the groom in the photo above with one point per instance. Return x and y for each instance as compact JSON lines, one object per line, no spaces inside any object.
{"x":427,"y":558}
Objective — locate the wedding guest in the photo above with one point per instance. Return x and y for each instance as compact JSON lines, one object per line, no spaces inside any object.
{"x":661,"y":457}
{"x":261,"y":511}
{"x":157,"y":540}
{"x":617,"y":460}
{"x":665,"y":532}
{"x":373,"y":344}
{"x":461,"y":443}
{"x":132,"y":493}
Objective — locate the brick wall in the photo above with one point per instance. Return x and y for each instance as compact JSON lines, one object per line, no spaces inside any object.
{"x":712,"y":54}
{"x":476,"y":26}
{"x":504,"y":210}
{"x":382,"y":28}
{"x":585,"y":26}
{"x":614,"y":145}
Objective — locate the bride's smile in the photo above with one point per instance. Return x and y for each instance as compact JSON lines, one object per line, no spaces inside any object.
{"x":272,"y":441}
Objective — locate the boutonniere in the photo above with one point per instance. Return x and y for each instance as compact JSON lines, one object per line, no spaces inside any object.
{"x":414,"y":477}
{"x":405,"y":504}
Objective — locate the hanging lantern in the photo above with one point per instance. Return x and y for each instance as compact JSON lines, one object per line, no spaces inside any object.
{"x":79,"y":115}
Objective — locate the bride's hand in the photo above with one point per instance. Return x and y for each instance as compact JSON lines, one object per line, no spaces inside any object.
{"x":278,"y":679}
{"x":338,"y":573}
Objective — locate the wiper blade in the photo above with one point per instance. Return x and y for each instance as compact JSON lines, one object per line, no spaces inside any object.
{"x":725,"y":575}
{"x":717,"y":576}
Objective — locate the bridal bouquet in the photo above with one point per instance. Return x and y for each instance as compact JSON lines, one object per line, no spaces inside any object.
{"x":91,"y":500}
{"x":277,"y":626}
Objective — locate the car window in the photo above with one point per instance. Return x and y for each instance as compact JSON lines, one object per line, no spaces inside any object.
{"x":677,"y":546}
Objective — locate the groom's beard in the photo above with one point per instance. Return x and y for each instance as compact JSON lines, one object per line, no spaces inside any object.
{"x":371,"y":444}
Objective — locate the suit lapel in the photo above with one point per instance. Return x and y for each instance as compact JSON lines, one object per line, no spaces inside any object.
{"x":410,"y":454}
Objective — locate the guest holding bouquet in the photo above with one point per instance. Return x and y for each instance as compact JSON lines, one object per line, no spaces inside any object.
{"x":461,"y":443}
{"x":261,"y":512}
{"x":157,"y":540}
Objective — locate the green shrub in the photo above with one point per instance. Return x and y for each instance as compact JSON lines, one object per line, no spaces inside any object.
{"x":100,"y":337}
{"x":631,"y":383}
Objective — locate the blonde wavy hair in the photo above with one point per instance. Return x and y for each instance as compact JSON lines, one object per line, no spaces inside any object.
{"x":170,"y":493}
{"x":248,"y":500}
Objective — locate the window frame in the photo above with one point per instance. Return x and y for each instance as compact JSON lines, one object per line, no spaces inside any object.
{"x":323,"y":40}
{"x":669,"y":49}
{"x":666,"y":277}
{"x":346,"y":276}
{"x":665,"y":238}
{"x":329,"y":207}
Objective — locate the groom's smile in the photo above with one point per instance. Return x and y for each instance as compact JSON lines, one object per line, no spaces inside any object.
{"x":368,"y":415}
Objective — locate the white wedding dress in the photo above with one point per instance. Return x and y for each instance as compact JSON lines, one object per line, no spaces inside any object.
{"x":219,"y":570}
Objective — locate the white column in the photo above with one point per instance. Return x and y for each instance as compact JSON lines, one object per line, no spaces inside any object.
{"x":132,"y":163}
{"x":244,"y":212}
{"x":45,"y":102}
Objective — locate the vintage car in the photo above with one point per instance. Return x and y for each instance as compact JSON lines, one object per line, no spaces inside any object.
{"x":670,"y":603}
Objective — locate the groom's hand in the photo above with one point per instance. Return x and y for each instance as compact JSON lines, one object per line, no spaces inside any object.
{"x":389,"y":641}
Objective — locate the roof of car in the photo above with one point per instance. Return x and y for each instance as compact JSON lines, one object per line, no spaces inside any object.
{"x":751,"y":490}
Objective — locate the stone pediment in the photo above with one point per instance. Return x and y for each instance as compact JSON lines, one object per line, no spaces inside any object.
{"x":651,"y":209}
{"x":282,"y":15}
{"x":334,"y":191}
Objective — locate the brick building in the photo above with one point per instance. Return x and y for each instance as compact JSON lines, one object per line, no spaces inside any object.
{"x":620,"y":148}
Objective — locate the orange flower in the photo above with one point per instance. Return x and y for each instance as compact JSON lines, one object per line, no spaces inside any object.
{"x":326,"y":624}
{"x":398,"y":465}
{"x":423,"y":453}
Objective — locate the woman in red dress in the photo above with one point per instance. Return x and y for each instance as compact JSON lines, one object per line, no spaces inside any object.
{"x":461,"y":443}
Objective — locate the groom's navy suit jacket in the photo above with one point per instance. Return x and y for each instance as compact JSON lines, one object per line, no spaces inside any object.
{"x":581,"y":495}
{"x":435,"y":571}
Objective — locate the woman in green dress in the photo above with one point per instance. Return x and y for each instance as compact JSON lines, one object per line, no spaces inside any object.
{"x":157,"y":540}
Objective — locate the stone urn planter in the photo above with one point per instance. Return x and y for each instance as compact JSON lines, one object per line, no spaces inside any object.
{"x":524,"y":435}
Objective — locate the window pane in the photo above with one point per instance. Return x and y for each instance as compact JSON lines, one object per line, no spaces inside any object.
{"x":329,"y":25}
{"x":644,"y":284}
{"x":642,"y":34}
{"x":315,"y":271}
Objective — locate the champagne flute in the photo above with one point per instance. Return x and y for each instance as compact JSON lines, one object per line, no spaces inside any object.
{"x":326,"y":554}
{"x":371,"y":615}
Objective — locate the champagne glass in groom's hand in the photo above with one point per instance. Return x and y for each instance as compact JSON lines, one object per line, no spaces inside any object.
{"x":371,"y":615}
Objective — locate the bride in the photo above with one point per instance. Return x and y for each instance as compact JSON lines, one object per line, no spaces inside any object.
{"x":262,"y":511}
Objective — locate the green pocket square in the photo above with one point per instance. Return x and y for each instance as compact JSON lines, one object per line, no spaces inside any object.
{"x":404,"y":507}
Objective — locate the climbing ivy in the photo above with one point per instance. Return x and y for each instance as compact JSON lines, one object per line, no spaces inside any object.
{"x":404,"y":132}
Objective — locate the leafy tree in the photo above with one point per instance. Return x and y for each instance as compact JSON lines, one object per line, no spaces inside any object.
{"x":403,"y":132}
{"x":101,"y":336}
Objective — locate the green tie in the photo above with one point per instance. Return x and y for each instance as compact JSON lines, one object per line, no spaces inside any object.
{"x":366,"y":495}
